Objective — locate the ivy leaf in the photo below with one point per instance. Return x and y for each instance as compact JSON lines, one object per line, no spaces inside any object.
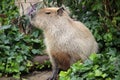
{"x":92,"y":57}
{"x":98,"y":6}
{"x":22,"y":68}
{"x":35,"y":51}
{"x":98,"y":73}
{"x":5,"y":27}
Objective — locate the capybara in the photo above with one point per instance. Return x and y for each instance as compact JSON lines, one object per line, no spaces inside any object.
{"x":67,"y":40}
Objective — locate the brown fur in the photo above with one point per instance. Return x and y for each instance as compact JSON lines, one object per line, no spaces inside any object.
{"x":67,"y":41}
{"x":63,"y":60}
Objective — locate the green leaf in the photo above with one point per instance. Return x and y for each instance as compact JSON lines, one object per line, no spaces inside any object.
{"x":90,"y":75}
{"x":22,"y":68}
{"x":36,"y":40}
{"x":5,"y":27}
{"x":108,"y":37}
{"x":97,"y":6}
{"x":93,"y":56}
{"x":35,"y":51}
{"x":98,"y":73}
{"x":104,"y":75}
{"x":108,"y":79}
{"x":29,"y":63}
{"x":63,"y":76}
{"x":95,"y":67}
{"x":17,"y":76}
{"x":19,"y":58}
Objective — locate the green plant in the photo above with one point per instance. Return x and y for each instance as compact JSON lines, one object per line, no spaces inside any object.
{"x":8,"y":11}
{"x":16,"y":48}
{"x":46,"y":64}
{"x":97,"y":67}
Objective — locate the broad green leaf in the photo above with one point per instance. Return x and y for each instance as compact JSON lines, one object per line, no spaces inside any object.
{"x":5,"y":27}
{"x":93,"y":56}
{"x":98,"y":73}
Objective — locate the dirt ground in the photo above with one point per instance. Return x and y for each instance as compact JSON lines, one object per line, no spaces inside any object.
{"x":36,"y":75}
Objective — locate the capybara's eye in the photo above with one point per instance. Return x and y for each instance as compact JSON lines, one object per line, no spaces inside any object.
{"x":47,"y":12}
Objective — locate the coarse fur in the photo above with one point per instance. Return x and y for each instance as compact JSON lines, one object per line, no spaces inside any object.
{"x":67,"y":41}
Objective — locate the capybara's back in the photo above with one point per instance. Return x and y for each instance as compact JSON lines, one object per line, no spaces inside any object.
{"x":67,"y":41}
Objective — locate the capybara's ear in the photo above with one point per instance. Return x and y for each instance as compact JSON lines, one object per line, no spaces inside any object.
{"x":60,"y":11}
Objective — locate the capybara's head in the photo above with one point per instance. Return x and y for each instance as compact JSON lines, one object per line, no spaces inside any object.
{"x":48,"y":17}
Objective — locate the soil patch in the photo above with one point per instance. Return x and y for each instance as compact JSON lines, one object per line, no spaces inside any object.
{"x":36,"y":75}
